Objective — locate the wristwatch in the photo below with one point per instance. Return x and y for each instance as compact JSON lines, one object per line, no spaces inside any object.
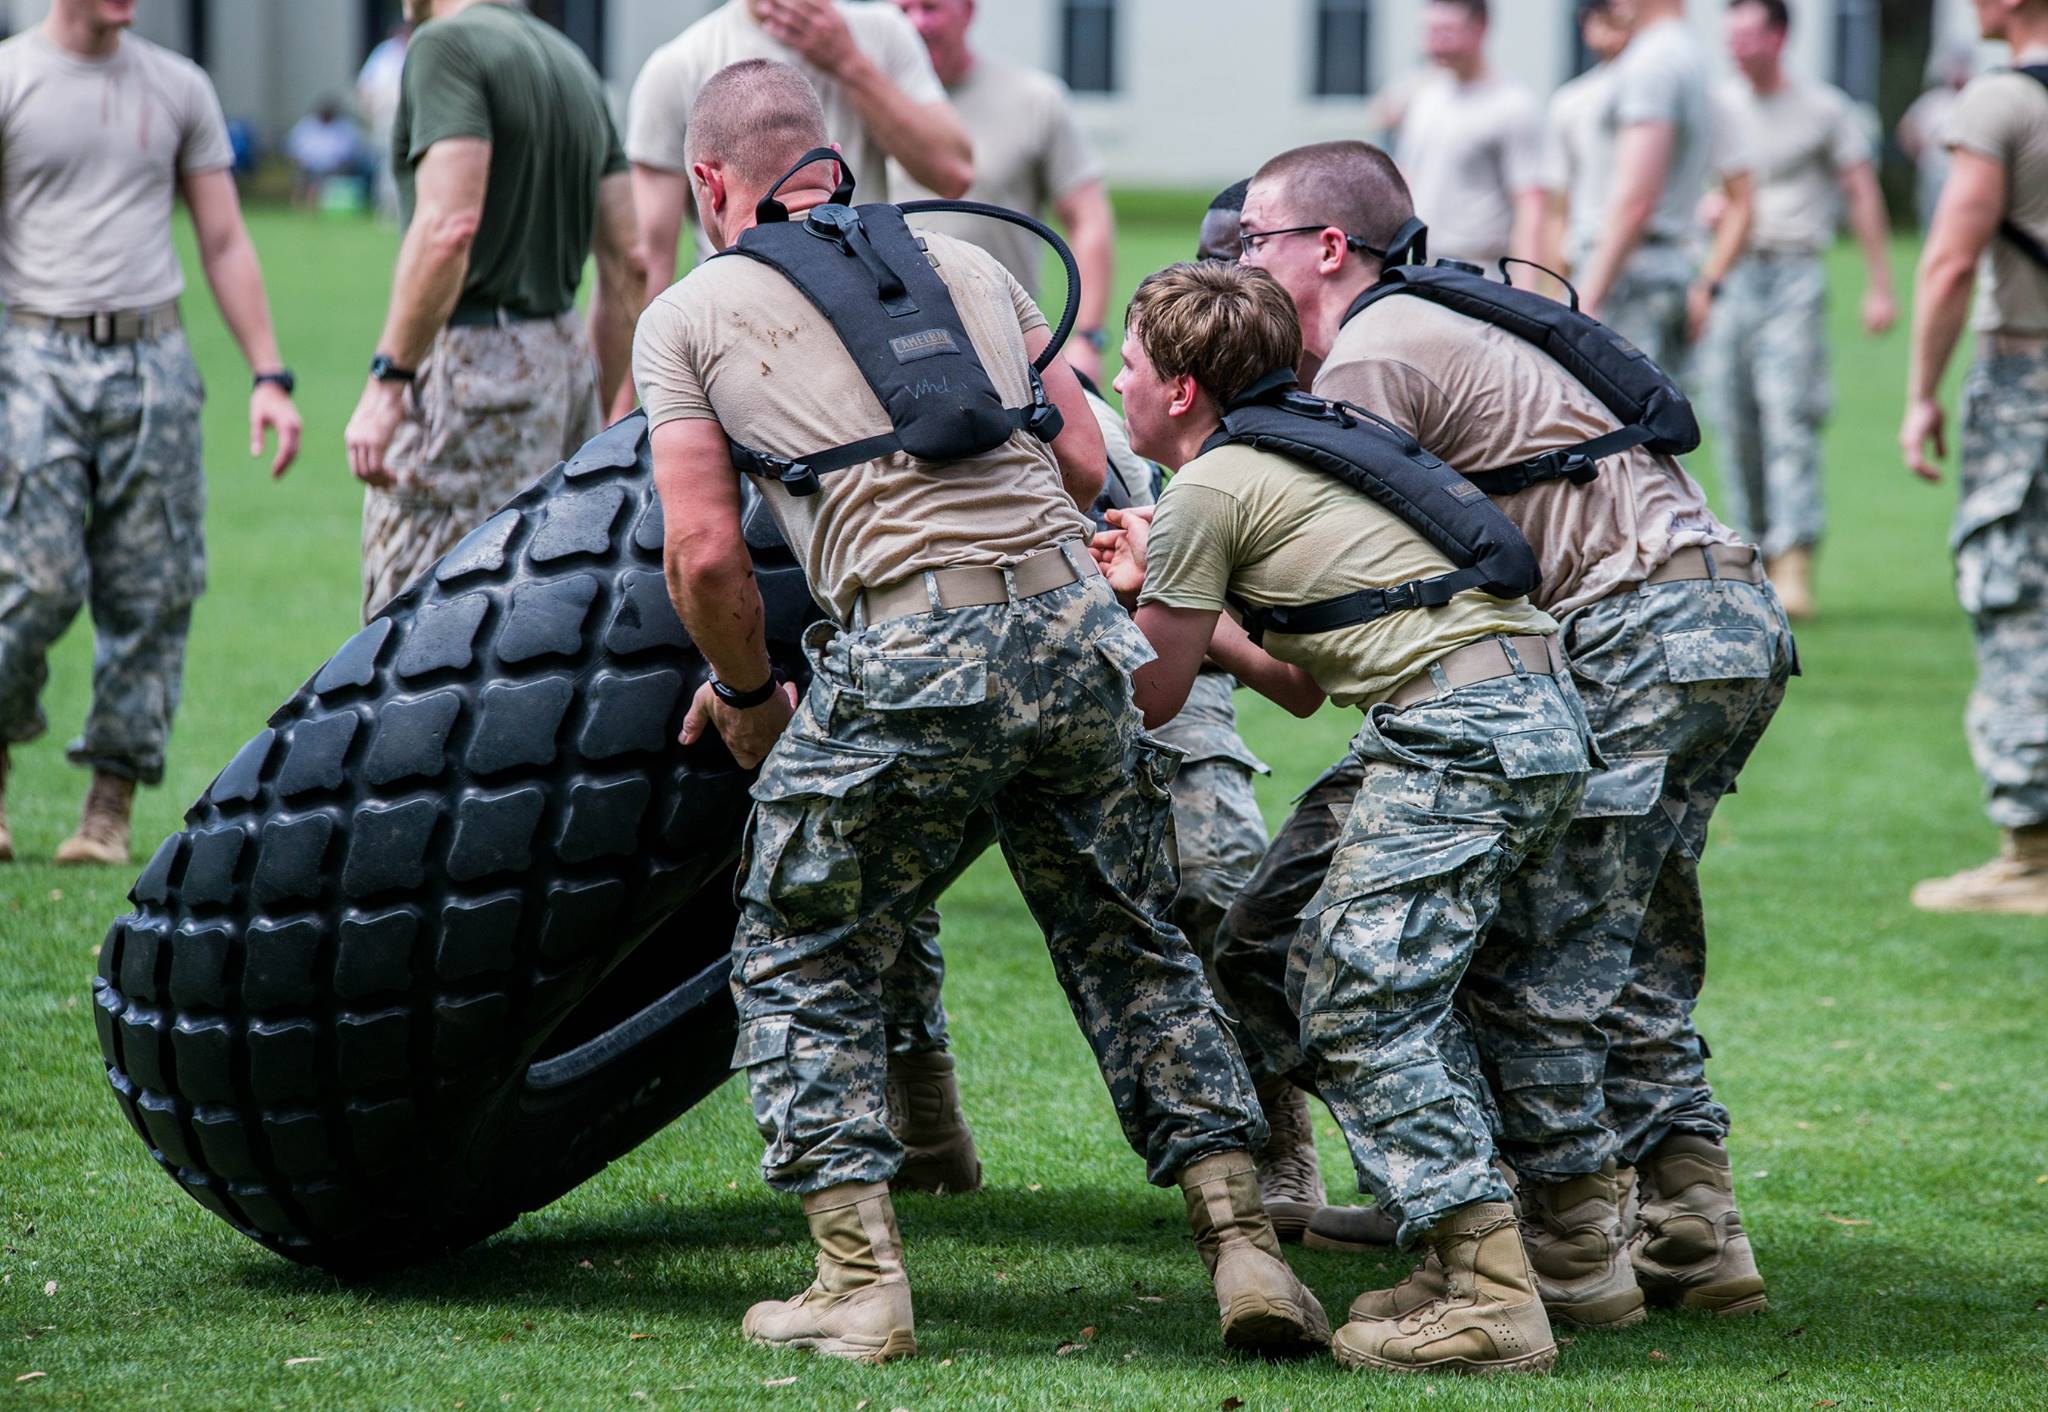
{"x":746,"y":700}
{"x":385,"y":369}
{"x":282,"y":377}
{"x":1094,"y":337}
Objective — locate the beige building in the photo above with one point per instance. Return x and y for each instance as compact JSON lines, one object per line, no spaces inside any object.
{"x":1174,"y":92}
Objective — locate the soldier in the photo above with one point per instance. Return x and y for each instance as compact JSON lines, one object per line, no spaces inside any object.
{"x":1451,"y":695}
{"x":1029,"y":155}
{"x":1766,"y":354}
{"x":1582,"y":999}
{"x":510,"y":174}
{"x":102,"y":488}
{"x":1573,"y":182}
{"x":976,"y":661}
{"x":1991,"y":230}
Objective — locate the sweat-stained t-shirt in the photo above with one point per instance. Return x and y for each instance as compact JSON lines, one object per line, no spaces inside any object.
{"x":658,"y":114}
{"x":735,"y":342}
{"x":498,"y":74}
{"x":1237,"y":522}
{"x":2004,"y":116}
{"x":1467,"y":150}
{"x":1480,"y":398}
{"x":91,"y":151}
{"x":1028,"y":154}
{"x":1800,"y":141}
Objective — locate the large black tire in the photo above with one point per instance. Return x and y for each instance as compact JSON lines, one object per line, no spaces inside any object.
{"x":386,"y":989}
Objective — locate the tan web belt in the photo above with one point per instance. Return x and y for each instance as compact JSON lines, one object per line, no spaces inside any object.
{"x":942,"y":590}
{"x":127,"y":326}
{"x":1710,"y":561}
{"x":1485,"y":660}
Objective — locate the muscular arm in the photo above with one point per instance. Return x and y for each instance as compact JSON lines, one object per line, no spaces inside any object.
{"x":236,"y":278}
{"x":1181,"y":637}
{"x":1091,"y":231}
{"x":1281,"y":682}
{"x":1528,"y":238}
{"x":1965,"y":223}
{"x":1873,"y":230}
{"x":661,"y":203}
{"x":621,"y":291}
{"x":433,"y":259}
{"x":1083,"y":461}
{"x":1642,"y":165}
{"x":1731,"y":237}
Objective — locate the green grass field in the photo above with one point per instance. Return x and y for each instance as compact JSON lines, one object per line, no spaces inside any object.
{"x":1885,"y":1068}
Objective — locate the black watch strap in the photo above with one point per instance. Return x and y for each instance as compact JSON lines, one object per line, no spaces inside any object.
{"x":384,"y":369}
{"x":746,"y":700}
{"x":282,"y":377}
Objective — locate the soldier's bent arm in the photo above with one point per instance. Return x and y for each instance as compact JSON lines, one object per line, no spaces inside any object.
{"x":433,"y":260}
{"x":1973,"y":202}
{"x":1642,"y":164}
{"x":621,"y":291}
{"x":1181,"y":637}
{"x":661,"y":203}
{"x":704,"y":553}
{"x":1283,"y":683}
{"x":926,"y":138}
{"x":1091,"y":232}
{"x":1873,"y":228}
{"x":236,"y":278}
{"x":1082,"y":457}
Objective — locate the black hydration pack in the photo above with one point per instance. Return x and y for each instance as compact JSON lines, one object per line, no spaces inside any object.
{"x":868,"y":274}
{"x":1390,"y":467}
{"x":1653,"y":412}
{"x":2010,"y":230}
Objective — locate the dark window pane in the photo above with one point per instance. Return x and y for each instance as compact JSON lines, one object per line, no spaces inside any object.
{"x":1343,"y":58}
{"x":581,"y":20}
{"x":1088,"y":45}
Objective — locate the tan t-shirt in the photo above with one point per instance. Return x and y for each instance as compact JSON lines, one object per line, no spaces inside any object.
{"x":1248,"y":524}
{"x":1800,"y":139}
{"x":2004,"y":116}
{"x":1028,"y":153}
{"x":737,"y":343}
{"x":658,"y":113}
{"x":1468,"y":149}
{"x":90,"y":155}
{"x":1481,"y":398}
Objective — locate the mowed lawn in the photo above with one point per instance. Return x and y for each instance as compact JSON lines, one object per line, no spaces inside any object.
{"x":1885,"y":1068}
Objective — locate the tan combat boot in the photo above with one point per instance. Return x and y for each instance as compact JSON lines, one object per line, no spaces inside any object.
{"x":1576,"y":1245}
{"x":1488,"y":1319}
{"x":102,"y":835}
{"x":924,"y":1113}
{"x":2015,"y":881}
{"x":859,"y":1306}
{"x":1290,"y":1176}
{"x":6,"y":838}
{"x":1262,"y":1305}
{"x":1689,"y":1249}
{"x":1791,"y":574}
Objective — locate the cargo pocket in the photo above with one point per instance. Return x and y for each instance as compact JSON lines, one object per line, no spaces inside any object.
{"x":1530,"y":754}
{"x":800,"y":862}
{"x":893,"y":683}
{"x":1363,"y":867}
{"x":1528,"y":1072}
{"x":762,"y":1054}
{"x":1718,"y":654}
{"x":1126,"y":650}
{"x":1628,"y":789}
{"x":1990,"y":543}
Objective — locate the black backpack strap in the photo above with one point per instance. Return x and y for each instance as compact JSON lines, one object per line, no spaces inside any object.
{"x":1577,"y":464}
{"x":2010,"y":230}
{"x":1355,"y":609}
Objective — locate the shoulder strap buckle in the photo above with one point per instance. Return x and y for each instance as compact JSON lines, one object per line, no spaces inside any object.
{"x":1042,"y":419}
{"x":1566,"y":463}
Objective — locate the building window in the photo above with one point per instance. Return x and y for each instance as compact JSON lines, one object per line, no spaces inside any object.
{"x":195,"y":32}
{"x":581,"y":20}
{"x":1343,"y":55}
{"x":1088,"y":45}
{"x":380,"y":17}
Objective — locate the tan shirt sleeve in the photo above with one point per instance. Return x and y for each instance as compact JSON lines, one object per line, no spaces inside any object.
{"x":666,"y":366}
{"x":658,"y":113}
{"x":1197,"y":537}
{"x":203,"y":144}
{"x":1400,"y":392}
{"x":1849,"y":138}
{"x":1030,"y":317}
{"x":1989,"y":119}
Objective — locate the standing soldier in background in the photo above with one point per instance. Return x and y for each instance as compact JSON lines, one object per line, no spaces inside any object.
{"x":1470,"y":143}
{"x":1574,"y":181}
{"x":1029,"y":154}
{"x":1765,"y":360}
{"x":882,"y":102}
{"x":1923,"y":129}
{"x":102,"y":483}
{"x":510,"y":173}
{"x":1991,"y":230}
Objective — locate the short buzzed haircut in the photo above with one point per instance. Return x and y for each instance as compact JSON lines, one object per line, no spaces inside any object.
{"x":1353,"y":186}
{"x":1776,"y":13}
{"x":1226,"y":326}
{"x":756,"y":117}
{"x":1231,"y":198}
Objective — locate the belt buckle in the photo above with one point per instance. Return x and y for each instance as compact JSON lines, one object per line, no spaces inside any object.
{"x":101,"y":330}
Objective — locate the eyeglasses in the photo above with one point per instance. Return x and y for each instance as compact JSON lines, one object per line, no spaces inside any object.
{"x":1248,"y":241}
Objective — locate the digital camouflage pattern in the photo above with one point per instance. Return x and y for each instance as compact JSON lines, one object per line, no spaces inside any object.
{"x":1764,"y":370}
{"x":1582,"y":999}
{"x":2001,"y":550}
{"x":1452,"y":796}
{"x":909,"y":727}
{"x":1649,"y":311}
{"x":492,"y":410}
{"x":102,"y":498}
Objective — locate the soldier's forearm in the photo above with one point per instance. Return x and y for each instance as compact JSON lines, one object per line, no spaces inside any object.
{"x":424,"y":292}
{"x":236,"y":278}
{"x":1941,"y":305}
{"x":716,"y":597}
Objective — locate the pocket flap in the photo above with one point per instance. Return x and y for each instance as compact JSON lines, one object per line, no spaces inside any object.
{"x":761,"y":1041}
{"x":1999,"y":498}
{"x":1552,"y":751}
{"x":799,"y":768}
{"x":1363,"y":868}
{"x":893,"y":683}
{"x":1549,"y":1071}
{"x":1125,"y":648}
{"x":1627,"y":790}
{"x":1718,"y":654}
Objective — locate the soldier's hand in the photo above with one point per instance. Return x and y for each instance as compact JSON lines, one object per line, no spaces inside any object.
{"x":1925,"y":422}
{"x":271,"y":409}
{"x":748,"y":734}
{"x":814,"y":28}
{"x":1120,"y":551}
{"x":370,"y":430}
{"x":1880,"y":312}
{"x":1699,"y":307}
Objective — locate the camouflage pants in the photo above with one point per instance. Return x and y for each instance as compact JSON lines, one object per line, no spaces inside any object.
{"x":1221,"y":837}
{"x":1454,"y":795}
{"x":102,"y":498}
{"x":2001,"y":551}
{"x":1764,"y":366}
{"x":1583,"y":997}
{"x":492,"y":412}
{"x":1648,"y":309}
{"x":909,"y":728}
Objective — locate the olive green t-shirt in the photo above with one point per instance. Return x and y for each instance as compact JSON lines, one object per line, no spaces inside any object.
{"x":1252,"y":525}
{"x":499,"y":74}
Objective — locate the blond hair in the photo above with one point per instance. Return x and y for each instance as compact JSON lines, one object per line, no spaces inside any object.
{"x":1226,"y":326}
